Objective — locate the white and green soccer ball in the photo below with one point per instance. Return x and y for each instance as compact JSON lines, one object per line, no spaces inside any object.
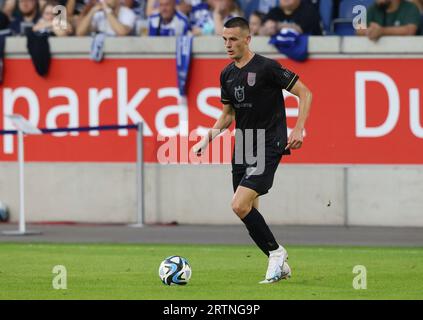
{"x":175,"y":270}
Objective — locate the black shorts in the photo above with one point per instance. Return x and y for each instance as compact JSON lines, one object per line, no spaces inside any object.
{"x":261,"y":183}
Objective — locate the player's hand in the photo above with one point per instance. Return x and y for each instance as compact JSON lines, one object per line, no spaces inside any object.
{"x":295,"y":139}
{"x":199,"y":147}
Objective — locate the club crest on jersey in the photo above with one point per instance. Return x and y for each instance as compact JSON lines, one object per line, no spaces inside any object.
{"x":239,"y":94}
{"x":251,"y":78}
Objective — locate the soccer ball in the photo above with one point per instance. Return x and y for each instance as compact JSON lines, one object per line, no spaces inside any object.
{"x":4,"y":212}
{"x":175,"y":270}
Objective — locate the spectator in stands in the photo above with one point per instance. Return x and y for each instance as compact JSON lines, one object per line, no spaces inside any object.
{"x":139,"y":7}
{"x":223,"y":10}
{"x":4,"y":21}
{"x":256,"y":22}
{"x":79,"y":11}
{"x":391,"y":18}
{"x":168,"y":21}
{"x":47,"y":23}
{"x":109,"y":17}
{"x":201,"y":18}
{"x":152,"y":7}
{"x":316,"y":3}
{"x":248,"y":7}
{"x":208,"y":17}
{"x":183,"y":6}
{"x":419,"y":4}
{"x":74,"y":6}
{"x":8,"y":8}
{"x":294,"y":14}
{"x":27,"y":17}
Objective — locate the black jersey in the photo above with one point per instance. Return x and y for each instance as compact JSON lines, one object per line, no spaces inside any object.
{"x":255,"y":93}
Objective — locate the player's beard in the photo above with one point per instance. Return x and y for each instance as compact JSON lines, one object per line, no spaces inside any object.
{"x":238,"y":54}
{"x":237,"y":57}
{"x":234,"y":55}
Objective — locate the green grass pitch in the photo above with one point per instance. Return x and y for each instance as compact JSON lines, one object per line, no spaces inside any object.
{"x":115,"y":271}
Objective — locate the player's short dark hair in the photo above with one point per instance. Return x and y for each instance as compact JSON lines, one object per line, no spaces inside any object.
{"x":237,"y":22}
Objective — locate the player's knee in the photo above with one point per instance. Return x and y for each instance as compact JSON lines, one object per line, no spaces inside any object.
{"x":240,"y":209}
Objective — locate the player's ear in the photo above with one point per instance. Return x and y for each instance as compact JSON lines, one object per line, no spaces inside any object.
{"x":248,"y":38}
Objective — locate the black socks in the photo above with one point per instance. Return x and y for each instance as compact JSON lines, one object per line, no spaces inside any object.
{"x":260,"y":232}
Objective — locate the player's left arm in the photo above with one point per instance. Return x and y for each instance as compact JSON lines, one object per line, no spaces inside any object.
{"x":295,"y":139}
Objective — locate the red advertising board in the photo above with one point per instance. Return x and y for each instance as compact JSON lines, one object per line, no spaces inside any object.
{"x":365,"y":111}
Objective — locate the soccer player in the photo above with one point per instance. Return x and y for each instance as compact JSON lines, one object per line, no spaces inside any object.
{"x":251,"y":93}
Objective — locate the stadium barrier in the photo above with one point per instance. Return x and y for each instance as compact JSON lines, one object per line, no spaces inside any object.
{"x":361,"y":163}
{"x":139,"y":186}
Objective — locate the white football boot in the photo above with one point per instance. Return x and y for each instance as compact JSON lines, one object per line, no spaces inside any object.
{"x":278,"y":268}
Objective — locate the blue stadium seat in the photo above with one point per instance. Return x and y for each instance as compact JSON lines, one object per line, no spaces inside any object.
{"x":343,"y":27}
{"x":326,"y":15}
{"x":343,"y":24}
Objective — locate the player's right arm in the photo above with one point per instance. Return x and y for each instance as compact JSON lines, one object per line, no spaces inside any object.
{"x":222,"y":123}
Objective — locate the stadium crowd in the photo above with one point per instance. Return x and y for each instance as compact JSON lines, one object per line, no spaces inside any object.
{"x":178,"y":17}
